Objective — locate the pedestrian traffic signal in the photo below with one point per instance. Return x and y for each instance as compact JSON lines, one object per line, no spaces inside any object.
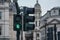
{"x":17,"y":22}
{"x":17,"y":26}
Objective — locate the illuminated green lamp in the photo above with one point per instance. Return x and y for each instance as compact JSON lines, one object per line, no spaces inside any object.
{"x":17,"y":26}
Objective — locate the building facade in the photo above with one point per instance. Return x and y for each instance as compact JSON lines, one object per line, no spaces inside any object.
{"x":4,"y":20}
{"x":7,"y":9}
{"x":50,"y":25}
{"x":36,"y":31}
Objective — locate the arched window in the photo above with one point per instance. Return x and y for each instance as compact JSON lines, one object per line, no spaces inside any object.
{"x":36,"y":23}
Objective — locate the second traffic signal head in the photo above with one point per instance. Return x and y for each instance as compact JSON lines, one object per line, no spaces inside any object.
{"x":27,"y":18}
{"x":29,"y":23}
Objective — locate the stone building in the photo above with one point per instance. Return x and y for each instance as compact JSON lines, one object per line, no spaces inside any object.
{"x":36,"y":31}
{"x":4,"y":20}
{"x":50,"y":25}
{"x":7,"y":9}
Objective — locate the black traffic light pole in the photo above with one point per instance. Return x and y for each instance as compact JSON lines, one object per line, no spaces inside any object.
{"x":17,"y":35}
{"x":18,"y":11}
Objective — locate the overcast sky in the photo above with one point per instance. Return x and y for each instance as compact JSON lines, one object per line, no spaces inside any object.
{"x":45,"y":4}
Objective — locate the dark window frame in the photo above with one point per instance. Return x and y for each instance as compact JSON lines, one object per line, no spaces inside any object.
{"x":50,"y":33}
{"x":59,"y":11}
{"x":0,"y":30}
{"x":0,"y":15}
{"x":36,"y":23}
{"x":37,"y":34}
{"x":59,"y":35}
{"x":39,"y":23}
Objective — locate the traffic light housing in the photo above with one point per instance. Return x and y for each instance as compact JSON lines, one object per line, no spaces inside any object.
{"x":29,"y":20}
{"x":17,"y":25}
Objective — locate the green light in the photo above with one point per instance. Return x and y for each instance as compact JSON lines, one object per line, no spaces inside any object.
{"x":17,"y":26}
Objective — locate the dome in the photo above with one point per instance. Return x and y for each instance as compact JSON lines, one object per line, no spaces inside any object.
{"x":37,"y":4}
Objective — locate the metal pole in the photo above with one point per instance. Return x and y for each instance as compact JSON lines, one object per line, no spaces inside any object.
{"x":17,"y":35}
{"x":22,"y":27}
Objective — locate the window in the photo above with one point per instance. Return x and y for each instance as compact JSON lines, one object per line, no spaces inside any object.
{"x":37,"y":34}
{"x":0,"y":30}
{"x":58,"y":35}
{"x":0,"y":15}
{"x":39,"y":23}
{"x":54,"y":11}
{"x":36,"y":23}
{"x":2,"y":1}
{"x":50,"y":33}
{"x":38,"y":39}
{"x":59,"y":12}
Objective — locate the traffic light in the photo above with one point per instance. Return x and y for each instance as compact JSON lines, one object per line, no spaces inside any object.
{"x":17,"y":25}
{"x":29,"y":20}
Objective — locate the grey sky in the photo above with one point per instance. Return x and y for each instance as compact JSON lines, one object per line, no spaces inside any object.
{"x":45,"y":4}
